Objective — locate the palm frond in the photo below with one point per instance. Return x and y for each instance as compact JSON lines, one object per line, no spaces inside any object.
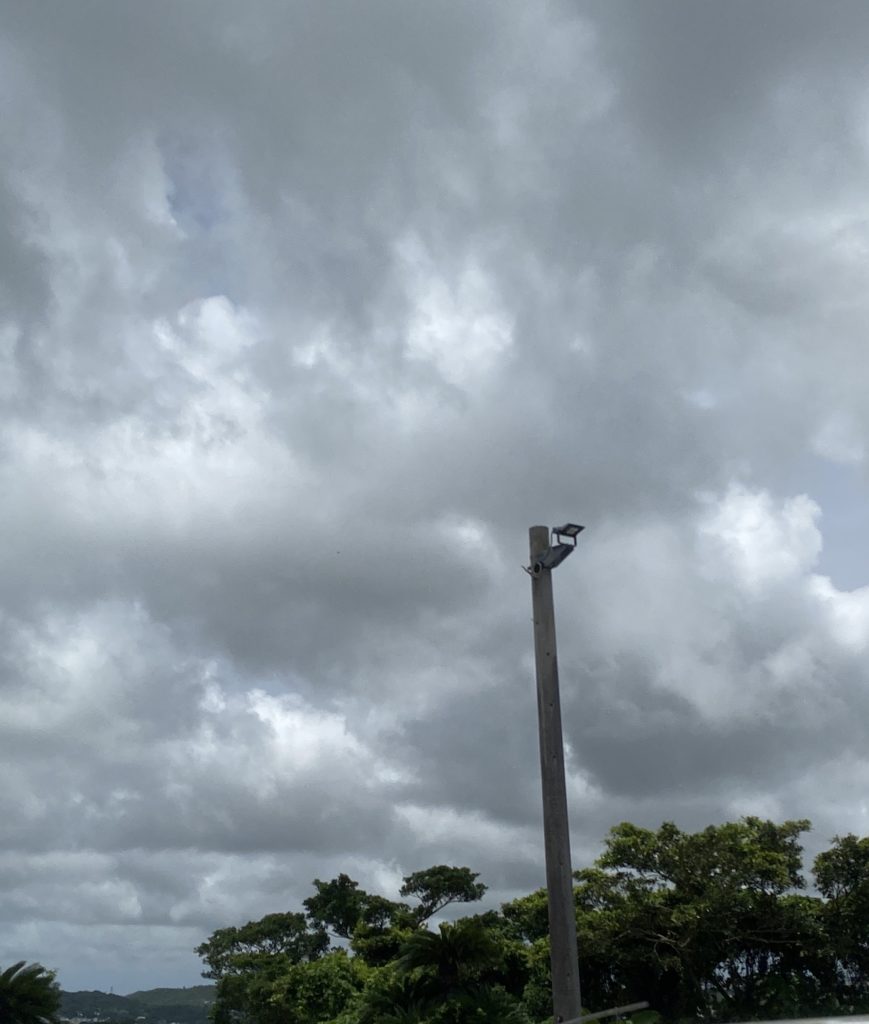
{"x":28,"y":995}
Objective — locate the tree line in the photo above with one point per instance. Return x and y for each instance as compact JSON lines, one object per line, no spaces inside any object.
{"x":715,"y":925}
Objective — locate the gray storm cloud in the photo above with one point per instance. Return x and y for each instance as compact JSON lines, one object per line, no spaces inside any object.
{"x":306,"y":314}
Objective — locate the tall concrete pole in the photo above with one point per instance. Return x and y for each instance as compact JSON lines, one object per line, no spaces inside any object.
{"x":559,"y":876}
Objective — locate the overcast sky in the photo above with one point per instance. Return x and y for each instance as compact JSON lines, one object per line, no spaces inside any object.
{"x":307,"y":312}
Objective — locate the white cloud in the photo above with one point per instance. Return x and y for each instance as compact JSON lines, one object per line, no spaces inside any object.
{"x":844,"y":613}
{"x":459,"y":327}
{"x":763,"y":544}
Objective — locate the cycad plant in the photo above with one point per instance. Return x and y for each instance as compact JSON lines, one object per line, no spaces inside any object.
{"x":456,"y":968}
{"x":28,"y":995}
{"x":452,"y":959}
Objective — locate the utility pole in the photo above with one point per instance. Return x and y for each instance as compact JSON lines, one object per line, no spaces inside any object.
{"x":559,"y":876}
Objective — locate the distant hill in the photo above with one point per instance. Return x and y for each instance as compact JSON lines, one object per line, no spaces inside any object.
{"x":196,"y":995}
{"x":93,"y":1004}
{"x":154,"y":1006}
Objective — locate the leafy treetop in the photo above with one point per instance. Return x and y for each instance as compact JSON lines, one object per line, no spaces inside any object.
{"x":439,"y":886}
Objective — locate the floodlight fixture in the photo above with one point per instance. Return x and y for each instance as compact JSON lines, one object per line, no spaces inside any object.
{"x":571,"y":530}
{"x":558,"y":549}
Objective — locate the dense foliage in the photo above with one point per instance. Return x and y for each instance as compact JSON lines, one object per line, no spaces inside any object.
{"x":714,"y":925}
{"x":28,"y":995}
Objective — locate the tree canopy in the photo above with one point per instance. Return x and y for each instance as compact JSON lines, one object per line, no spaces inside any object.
{"x":438,"y":887}
{"x":715,"y":925}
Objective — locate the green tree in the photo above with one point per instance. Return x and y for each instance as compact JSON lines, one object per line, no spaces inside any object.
{"x":439,"y":886}
{"x":458,"y":970}
{"x":697,"y":923}
{"x":528,"y":916}
{"x":313,"y":992}
{"x":232,"y":951}
{"x":391,"y":997}
{"x":247,"y":962}
{"x":337,"y":905}
{"x":842,"y":876}
{"x":28,"y":995}
{"x":373,"y":924}
{"x":452,"y":958}
{"x":381,"y":931}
